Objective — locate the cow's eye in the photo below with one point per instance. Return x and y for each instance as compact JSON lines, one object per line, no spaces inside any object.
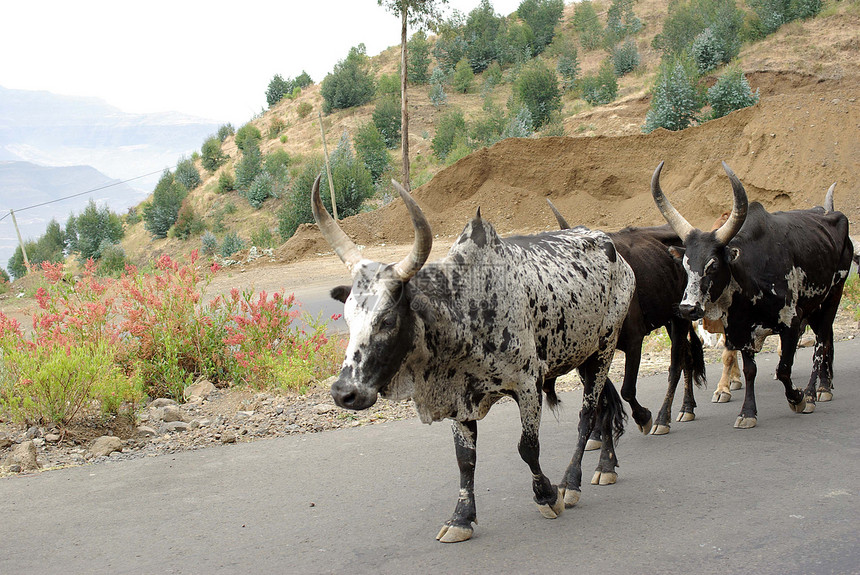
{"x":709,"y":267}
{"x":389,"y":322}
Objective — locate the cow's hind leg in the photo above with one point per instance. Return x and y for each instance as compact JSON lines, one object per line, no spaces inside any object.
{"x":677,"y":356}
{"x":459,"y":527}
{"x":610,"y":419}
{"x":822,"y":361}
{"x":548,"y":497}
{"x":632,"y":359}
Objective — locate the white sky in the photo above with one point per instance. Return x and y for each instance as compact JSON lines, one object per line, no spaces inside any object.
{"x":209,"y":59}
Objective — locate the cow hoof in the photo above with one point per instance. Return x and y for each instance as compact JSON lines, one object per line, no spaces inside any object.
{"x":454,"y":533}
{"x":686,"y":416}
{"x":808,"y":408}
{"x":646,"y":428}
{"x":824,"y":395}
{"x":571,"y":497}
{"x":735,"y":385}
{"x":745,"y":422}
{"x":593,"y":444}
{"x":660,"y":430}
{"x":721,"y":397}
{"x":801,"y":406}
{"x":604,"y":478}
{"x":554,"y":510}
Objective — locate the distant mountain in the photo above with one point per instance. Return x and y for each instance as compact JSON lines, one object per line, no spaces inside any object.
{"x":24,"y":184}
{"x":55,"y":130}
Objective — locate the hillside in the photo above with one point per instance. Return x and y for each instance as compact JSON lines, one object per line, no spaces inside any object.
{"x":801,"y":137}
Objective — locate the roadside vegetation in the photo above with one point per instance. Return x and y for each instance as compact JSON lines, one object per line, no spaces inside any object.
{"x":105,"y":344}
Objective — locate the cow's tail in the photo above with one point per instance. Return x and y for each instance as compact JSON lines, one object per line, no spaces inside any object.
{"x":552,"y":400}
{"x":611,"y":413}
{"x":696,"y":359}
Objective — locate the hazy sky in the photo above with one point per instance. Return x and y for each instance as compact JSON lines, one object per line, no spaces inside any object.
{"x":190,"y":56}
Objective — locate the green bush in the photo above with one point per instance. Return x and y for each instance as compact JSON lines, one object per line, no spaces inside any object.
{"x":225,"y":131}
{"x":620,"y":22}
{"x":226,"y":182}
{"x":675,"y":100}
{"x":481,"y":32}
{"x":132,"y":216}
{"x":686,"y":20}
{"x":277,"y":164}
{"x":587,"y":25}
{"x":185,"y":220}
{"x":49,"y":247}
{"x":349,"y":84}
{"x":450,"y":46}
{"x":371,"y":149}
{"x":211,"y":155}
{"x":276,"y":126}
{"x":450,"y":129}
{"x":388,"y":85}
{"x":537,"y":88}
{"x":303,"y":109}
{"x":463,"y":77}
{"x":278,"y":88}
{"x":602,"y":88}
{"x":260,"y":190}
{"x":352,"y":183}
{"x":187,"y":174}
{"x":387,"y":118}
{"x":112,"y":261}
{"x":625,"y":57}
{"x":303,"y":80}
{"x":492,"y":76}
{"x":731,"y":92}
{"x":520,"y":124}
{"x":232,"y":243}
{"x":208,"y":244}
{"x":707,"y":51}
{"x":161,"y":213}
{"x":249,"y":167}
{"x":418,"y":51}
{"x":84,"y":233}
{"x":248,"y":135}
{"x":516,"y":42}
{"x":487,"y":129}
{"x":774,"y":13}
{"x":541,"y":16}
{"x":263,"y":238}
{"x":568,"y":65}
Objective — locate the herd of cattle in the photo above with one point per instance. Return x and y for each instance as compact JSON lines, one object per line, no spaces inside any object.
{"x":506,"y":316}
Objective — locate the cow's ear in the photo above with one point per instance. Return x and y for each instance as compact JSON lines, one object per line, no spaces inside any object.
{"x":733,"y":254}
{"x":676,"y":251}
{"x":420,"y":304}
{"x":340,"y":293}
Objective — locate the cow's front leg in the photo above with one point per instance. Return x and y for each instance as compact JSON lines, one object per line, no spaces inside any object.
{"x":797,"y":403}
{"x":459,"y":527}
{"x":547,"y":496}
{"x":747,"y":418}
{"x":730,"y":378}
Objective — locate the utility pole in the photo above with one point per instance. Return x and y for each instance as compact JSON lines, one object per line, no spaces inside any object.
{"x":20,"y":241}
{"x":328,"y":168}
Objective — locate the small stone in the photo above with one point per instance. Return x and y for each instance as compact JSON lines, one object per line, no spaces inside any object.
{"x":244,"y":414}
{"x":52,"y":438}
{"x":199,"y":391}
{"x":5,"y":441}
{"x":22,"y":457}
{"x":324,"y":408}
{"x":228,"y":437}
{"x":175,"y":426}
{"x":33,"y":433}
{"x":145,"y":431}
{"x":105,"y":445}
{"x":171,"y":413}
{"x":162,"y":402}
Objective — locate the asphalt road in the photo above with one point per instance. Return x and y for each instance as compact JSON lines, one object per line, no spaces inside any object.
{"x":782,"y":498}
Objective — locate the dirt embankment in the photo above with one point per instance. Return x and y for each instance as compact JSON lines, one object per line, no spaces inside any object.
{"x":786,"y":150}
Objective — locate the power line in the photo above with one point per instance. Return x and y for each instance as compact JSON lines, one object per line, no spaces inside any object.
{"x":83,"y":193}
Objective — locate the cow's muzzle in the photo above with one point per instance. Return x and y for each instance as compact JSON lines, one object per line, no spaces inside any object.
{"x":348,"y":395}
{"x":691,"y":312}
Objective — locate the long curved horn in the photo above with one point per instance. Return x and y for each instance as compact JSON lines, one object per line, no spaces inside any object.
{"x":681,"y":226}
{"x":562,"y":223}
{"x":409,"y":266}
{"x":828,"y":199}
{"x":337,"y":239}
{"x":739,"y":210}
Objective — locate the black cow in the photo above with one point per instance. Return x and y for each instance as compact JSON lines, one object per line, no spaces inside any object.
{"x":660,"y":284}
{"x":497,"y":317}
{"x":766,"y":273}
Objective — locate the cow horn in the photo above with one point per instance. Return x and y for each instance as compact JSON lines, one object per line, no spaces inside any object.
{"x":739,"y":210}
{"x":828,"y":199}
{"x":337,"y":239}
{"x":562,"y":223}
{"x":681,"y":226}
{"x":409,"y":266}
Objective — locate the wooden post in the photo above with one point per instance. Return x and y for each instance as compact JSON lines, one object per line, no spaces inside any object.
{"x":328,"y":168}
{"x":404,"y":110}
{"x":20,"y":241}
